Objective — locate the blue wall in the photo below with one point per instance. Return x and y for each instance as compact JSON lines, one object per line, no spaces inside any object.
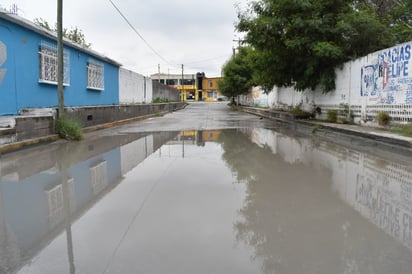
{"x":20,"y":87}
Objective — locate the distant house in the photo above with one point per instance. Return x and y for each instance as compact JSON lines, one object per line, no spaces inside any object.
{"x":28,"y":70}
{"x":211,"y":88}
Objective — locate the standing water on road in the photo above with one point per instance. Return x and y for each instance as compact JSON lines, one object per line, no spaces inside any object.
{"x":238,"y":200}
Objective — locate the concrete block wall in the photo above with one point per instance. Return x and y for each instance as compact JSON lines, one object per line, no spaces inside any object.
{"x":92,"y":116}
{"x":33,"y":127}
{"x":29,"y":127}
{"x":165,"y":92}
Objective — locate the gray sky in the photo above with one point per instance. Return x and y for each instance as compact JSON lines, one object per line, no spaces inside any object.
{"x":196,"y":33}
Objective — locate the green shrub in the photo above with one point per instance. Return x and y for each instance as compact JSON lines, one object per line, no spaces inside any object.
{"x":159,"y":100}
{"x":332,"y":116}
{"x":69,"y":129}
{"x":297,"y":110}
{"x":383,"y":118}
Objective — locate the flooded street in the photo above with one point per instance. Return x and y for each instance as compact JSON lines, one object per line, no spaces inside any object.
{"x":204,"y":190}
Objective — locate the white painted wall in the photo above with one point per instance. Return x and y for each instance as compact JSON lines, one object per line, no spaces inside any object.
{"x":134,"y":88}
{"x":380,"y":81}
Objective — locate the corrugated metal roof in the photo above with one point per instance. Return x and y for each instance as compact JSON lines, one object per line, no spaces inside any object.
{"x":52,"y":35}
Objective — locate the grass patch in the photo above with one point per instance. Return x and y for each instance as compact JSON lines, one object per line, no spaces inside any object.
{"x":69,"y":129}
{"x":405,"y":130}
{"x":297,"y":111}
{"x":160,"y":101}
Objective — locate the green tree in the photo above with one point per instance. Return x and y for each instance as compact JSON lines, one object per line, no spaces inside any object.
{"x":238,"y":73}
{"x":402,"y":21}
{"x":74,"y":34}
{"x":301,"y":42}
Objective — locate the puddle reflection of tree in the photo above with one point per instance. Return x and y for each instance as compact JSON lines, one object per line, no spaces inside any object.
{"x":296,"y":223}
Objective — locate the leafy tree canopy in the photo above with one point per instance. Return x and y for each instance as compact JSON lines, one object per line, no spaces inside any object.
{"x":238,"y":73}
{"x":301,"y":42}
{"x":74,"y":34}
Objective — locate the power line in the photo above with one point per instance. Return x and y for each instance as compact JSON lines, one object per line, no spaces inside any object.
{"x":141,"y":37}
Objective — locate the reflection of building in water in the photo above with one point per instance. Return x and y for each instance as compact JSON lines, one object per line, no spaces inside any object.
{"x":54,"y":197}
{"x":196,"y":137}
{"x":32,"y":208}
{"x":175,"y":147}
{"x":380,"y":190}
{"x":135,"y":152}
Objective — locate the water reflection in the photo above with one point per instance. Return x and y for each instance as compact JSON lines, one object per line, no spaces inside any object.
{"x":42,"y":190}
{"x":294,"y":216}
{"x":225,"y":201}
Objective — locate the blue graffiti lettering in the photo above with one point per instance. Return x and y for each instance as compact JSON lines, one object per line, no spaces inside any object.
{"x":408,"y":52}
{"x":401,"y":55}
{"x":399,"y":69}
{"x":405,"y":68}
{"x":395,"y":54}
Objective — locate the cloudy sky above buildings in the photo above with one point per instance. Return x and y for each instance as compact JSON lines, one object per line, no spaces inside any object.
{"x":196,"y":33}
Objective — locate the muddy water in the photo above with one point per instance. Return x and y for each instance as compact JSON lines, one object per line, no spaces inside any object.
{"x":212,"y":201}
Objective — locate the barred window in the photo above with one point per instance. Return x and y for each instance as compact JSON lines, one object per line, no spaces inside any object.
{"x":95,"y":75}
{"x":48,"y":64}
{"x":98,"y":177}
{"x":55,"y":204}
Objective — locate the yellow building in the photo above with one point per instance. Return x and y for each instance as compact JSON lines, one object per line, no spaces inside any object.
{"x":192,"y":87}
{"x":210,"y":89}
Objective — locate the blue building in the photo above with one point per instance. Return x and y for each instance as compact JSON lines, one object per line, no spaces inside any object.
{"x":28,"y":70}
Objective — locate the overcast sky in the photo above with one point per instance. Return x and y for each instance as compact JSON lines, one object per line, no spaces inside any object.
{"x":196,"y":33}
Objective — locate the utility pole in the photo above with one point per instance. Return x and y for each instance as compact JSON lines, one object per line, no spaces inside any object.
{"x":183,"y":85}
{"x":60,"y":64}
{"x":158,"y":72}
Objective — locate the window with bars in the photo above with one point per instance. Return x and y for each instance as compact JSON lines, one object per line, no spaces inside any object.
{"x":55,"y":203}
{"x":98,"y":177}
{"x":48,"y":64}
{"x":95,"y":75}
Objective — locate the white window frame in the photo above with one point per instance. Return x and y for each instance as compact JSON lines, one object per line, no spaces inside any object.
{"x":98,"y":177}
{"x":95,"y":75}
{"x":48,"y":64}
{"x":55,"y":202}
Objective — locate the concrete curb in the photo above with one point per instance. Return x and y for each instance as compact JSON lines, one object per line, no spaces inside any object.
{"x":29,"y":142}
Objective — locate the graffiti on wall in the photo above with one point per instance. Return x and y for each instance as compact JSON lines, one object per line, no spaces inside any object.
{"x":388,"y":79}
{"x":259,"y":98}
{"x":387,"y":204}
{"x":3,"y":58}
